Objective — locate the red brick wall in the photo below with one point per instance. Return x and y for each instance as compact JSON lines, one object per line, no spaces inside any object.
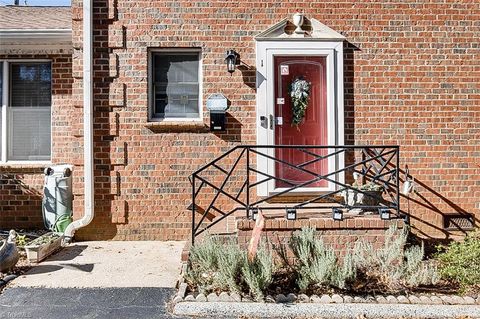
{"x":21,"y":185}
{"x":339,"y":235}
{"x":412,"y":73}
{"x":21,"y":197}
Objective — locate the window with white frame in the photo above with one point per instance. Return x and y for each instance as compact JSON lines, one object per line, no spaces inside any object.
{"x":26,"y":111}
{"x":175,"y":85}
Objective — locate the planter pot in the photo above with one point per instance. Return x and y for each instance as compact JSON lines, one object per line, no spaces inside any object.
{"x":43,"y":246}
{"x":354,"y":198}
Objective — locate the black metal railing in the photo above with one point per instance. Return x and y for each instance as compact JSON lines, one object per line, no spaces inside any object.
{"x":377,"y":165}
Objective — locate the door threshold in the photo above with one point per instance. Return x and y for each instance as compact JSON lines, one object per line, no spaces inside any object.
{"x":302,"y":197}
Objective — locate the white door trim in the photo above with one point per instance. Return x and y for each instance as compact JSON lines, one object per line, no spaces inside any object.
{"x":266,"y":50}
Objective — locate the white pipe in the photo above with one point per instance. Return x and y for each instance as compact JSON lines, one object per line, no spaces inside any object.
{"x":87,"y":124}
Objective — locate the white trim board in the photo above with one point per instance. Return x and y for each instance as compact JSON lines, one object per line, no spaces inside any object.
{"x":265,"y":51}
{"x":5,"y":112}
{"x":150,"y":70}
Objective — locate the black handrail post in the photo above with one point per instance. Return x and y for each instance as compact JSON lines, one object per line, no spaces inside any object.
{"x":193,"y":209}
{"x":397,"y":176}
{"x":248,"y":182}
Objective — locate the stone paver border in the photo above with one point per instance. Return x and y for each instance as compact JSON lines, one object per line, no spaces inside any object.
{"x":331,"y":299}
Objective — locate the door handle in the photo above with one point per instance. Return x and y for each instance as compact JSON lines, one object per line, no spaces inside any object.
{"x":263,"y":121}
{"x":267,"y":122}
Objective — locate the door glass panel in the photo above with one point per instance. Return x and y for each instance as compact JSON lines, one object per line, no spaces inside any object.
{"x":308,"y":72}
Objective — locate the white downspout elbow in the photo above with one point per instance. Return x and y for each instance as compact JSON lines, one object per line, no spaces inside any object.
{"x":87,"y":124}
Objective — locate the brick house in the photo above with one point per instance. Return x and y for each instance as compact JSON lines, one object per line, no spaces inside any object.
{"x":380,"y":73}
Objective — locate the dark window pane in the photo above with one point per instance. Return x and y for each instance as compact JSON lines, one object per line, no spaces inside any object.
{"x":30,"y":84}
{"x":29,"y":119}
{"x":176,"y":85}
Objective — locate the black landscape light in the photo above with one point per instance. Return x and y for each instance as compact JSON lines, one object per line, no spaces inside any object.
{"x":384,"y":213}
{"x":253,"y":213}
{"x":337,"y":214}
{"x":291,"y":213}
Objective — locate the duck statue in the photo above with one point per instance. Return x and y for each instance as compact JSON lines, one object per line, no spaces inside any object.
{"x":8,"y":253}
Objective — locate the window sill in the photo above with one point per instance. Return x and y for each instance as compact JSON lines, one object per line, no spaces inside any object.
{"x":178,"y":126}
{"x":23,"y":167}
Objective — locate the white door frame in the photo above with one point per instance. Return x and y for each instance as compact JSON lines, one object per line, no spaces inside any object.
{"x":266,"y":50}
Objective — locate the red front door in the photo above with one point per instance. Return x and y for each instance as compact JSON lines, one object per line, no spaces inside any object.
{"x":312,"y":130}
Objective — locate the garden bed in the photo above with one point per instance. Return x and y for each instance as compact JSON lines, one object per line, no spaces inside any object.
{"x":219,"y":271}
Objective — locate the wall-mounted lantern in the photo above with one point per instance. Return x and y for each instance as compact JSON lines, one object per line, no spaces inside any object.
{"x":217,"y":104}
{"x":232,"y":58}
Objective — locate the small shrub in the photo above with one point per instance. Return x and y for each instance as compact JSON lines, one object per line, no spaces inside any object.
{"x":230,"y":262}
{"x":460,"y":262}
{"x":345,"y":274}
{"x":418,"y":272}
{"x":220,"y":264}
{"x":215,"y":264}
{"x":258,"y":273}
{"x":317,"y":264}
{"x":394,"y":266}
{"x":383,"y":265}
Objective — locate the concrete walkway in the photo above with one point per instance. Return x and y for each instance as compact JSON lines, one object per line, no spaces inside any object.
{"x":98,"y":280}
{"x":108,"y":264}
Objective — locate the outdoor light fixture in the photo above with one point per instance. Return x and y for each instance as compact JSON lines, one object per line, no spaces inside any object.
{"x":253,"y":213}
{"x":384,"y":213}
{"x":232,"y":59}
{"x":291,"y":213}
{"x":337,"y":214}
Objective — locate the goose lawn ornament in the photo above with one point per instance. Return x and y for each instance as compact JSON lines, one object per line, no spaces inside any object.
{"x":8,"y":253}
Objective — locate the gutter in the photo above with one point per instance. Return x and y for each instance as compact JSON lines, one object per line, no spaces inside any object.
{"x":54,"y":35}
{"x":35,"y":41}
{"x":87,"y":124}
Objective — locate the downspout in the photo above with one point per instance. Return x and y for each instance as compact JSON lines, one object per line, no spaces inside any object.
{"x":87,"y":124}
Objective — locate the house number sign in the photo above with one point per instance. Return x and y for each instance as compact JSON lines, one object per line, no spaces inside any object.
{"x":284,"y":70}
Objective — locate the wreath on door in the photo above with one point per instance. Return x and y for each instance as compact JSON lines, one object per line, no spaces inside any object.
{"x":299,"y":91}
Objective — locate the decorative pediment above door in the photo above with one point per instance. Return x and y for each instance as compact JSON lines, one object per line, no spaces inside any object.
{"x":299,"y":28}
